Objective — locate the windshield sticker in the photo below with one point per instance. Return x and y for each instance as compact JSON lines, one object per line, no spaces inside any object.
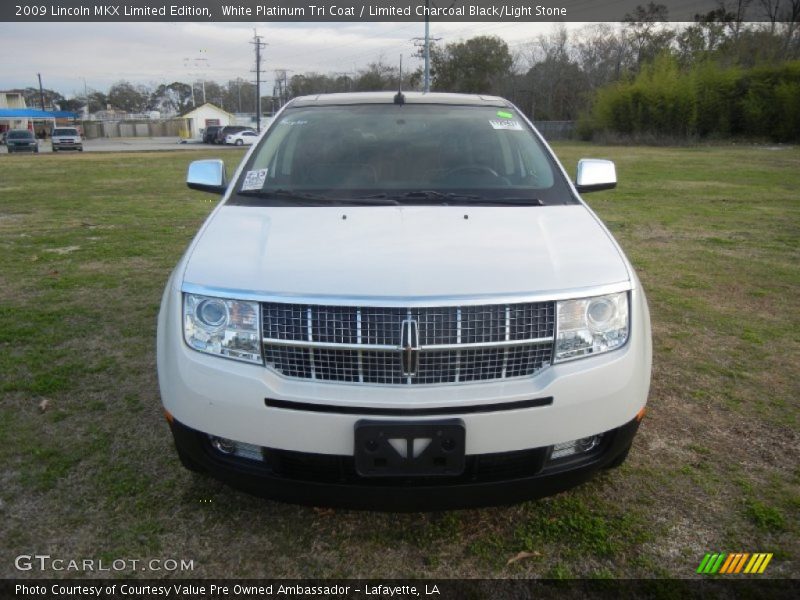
{"x":504,"y":115}
{"x":293,"y":123}
{"x":254,"y":180}
{"x":507,"y":125}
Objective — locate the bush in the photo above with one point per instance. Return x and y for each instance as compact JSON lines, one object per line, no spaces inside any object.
{"x":705,"y":101}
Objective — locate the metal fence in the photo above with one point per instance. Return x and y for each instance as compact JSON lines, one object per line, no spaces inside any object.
{"x":115,"y":129}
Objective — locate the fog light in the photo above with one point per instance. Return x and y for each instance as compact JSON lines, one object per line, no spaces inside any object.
{"x":224,"y":445}
{"x":580,"y":446}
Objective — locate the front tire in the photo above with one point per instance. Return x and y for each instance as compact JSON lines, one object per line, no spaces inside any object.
{"x":620,"y":459}
{"x":239,"y":142}
{"x":188,"y":463}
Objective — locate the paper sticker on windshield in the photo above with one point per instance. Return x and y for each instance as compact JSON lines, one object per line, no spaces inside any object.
{"x":293,"y":123}
{"x":505,"y":124}
{"x":254,"y":180}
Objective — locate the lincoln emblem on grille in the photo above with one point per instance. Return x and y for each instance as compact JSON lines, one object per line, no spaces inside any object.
{"x":409,"y":340}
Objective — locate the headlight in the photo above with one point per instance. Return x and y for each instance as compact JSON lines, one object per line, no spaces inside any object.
{"x":589,"y":326}
{"x":230,"y":328}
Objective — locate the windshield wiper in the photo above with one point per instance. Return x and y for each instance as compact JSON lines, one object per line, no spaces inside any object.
{"x":445,"y":198}
{"x":515,"y":201}
{"x":308,"y":197}
{"x":426,"y":196}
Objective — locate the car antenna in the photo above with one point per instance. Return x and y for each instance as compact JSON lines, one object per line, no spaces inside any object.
{"x":399,"y":98}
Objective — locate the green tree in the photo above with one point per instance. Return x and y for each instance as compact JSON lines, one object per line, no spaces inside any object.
{"x":97,"y":101}
{"x":173,"y":98}
{"x":648,"y":37}
{"x":475,"y":66}
{"x":52,"y":99}
{"x":123,"y":95}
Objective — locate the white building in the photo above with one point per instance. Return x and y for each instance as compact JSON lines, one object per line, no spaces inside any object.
{"x":203,"y":116}
{"x":12,"y":100}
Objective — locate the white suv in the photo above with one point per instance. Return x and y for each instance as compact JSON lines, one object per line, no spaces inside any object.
{"x":402,"y":302}
{"x":66,"y":138}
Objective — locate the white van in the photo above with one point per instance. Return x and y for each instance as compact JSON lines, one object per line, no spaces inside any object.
{"x":401,"y":303}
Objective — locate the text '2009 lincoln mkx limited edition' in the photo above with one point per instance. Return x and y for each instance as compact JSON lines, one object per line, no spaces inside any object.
{"x":402,"y":303}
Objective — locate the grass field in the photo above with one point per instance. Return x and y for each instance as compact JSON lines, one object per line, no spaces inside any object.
{"x":87,"y":467}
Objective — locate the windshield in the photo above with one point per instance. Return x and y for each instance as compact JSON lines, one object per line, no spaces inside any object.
{"x":20,"y":135}
{"x":411,"y":152}
{"x":65,"y":132}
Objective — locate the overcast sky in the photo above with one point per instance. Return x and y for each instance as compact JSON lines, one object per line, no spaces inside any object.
{"x":155,"y":53}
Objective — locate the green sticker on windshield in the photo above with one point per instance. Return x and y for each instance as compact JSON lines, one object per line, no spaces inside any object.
{"x":504,"y":114}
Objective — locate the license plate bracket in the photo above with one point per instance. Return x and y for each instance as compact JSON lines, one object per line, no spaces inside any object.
{"x":409,"y":448}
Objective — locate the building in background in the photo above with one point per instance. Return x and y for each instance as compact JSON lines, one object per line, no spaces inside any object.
{"x":204,"y":116}
{"x":10,"y":100}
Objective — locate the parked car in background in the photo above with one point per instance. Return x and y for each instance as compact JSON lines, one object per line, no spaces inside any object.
{"x":210,"y":134}
{"x":243,"y":138}
{"x":403,"y":303}
{"x":224,"y":132}
{"x":21,"y":140}
{"x":66,"y":138}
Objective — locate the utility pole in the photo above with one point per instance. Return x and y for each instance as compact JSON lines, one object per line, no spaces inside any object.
{"x":258,"y":45}
{"x":282,"y":83}
{"x":201,"y":64}
{"x":427,"y":87}
{"x":41,"y":91}
{"x":426,"y":47}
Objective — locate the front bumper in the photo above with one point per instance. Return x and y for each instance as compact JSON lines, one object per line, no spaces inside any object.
{"x":13,"y":147}
{"x":67,"y":146}
{"x":242,"y":402}
{"x":331,"y":480}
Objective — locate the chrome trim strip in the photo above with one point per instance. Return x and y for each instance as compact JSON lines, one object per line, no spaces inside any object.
{"x":331,"y":345}
{"x":400,"y":348}
{"x":500,"y":344}
{"x":410,"y":301}
{"x":358,"y":340}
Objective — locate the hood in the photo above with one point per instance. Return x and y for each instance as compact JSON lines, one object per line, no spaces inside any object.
{"x":404,"y":251}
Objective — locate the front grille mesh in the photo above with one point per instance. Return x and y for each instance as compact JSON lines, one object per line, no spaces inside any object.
{"x":481,"y":342}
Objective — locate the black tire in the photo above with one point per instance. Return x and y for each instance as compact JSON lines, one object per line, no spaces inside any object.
{"x":239,"y":142}
{"x":80,"y":149}
{"x":188,"y":463}
{"x":617,"y":462}
{"x":55,"y":150}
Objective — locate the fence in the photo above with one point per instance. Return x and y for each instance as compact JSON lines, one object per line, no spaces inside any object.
{"x":114,"y":129}
{"x":551,"y":130}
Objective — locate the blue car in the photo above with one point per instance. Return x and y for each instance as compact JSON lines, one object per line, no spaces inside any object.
{"x":21,"y":140}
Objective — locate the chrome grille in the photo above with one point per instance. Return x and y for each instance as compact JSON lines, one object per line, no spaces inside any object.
{"x":450,"y":344}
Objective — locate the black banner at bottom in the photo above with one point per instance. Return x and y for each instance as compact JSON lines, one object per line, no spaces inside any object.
{"x":372,"y":589}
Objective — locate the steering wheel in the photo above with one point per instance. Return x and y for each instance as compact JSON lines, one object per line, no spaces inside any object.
{"x":471,"y":170}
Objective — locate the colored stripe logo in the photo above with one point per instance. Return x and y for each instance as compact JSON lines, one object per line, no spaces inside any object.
{"x":734,"y":563}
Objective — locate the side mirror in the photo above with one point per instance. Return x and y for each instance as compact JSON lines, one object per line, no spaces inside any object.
{"x":207,"y":176}
{"x":595,"y":174}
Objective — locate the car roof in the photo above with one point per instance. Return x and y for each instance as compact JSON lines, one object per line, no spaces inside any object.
{"x":409,"y":98}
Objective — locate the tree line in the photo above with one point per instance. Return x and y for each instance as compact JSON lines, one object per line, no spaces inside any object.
{"x":720,"y":75}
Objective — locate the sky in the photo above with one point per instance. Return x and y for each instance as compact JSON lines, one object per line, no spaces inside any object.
{"x":97,"y":55}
